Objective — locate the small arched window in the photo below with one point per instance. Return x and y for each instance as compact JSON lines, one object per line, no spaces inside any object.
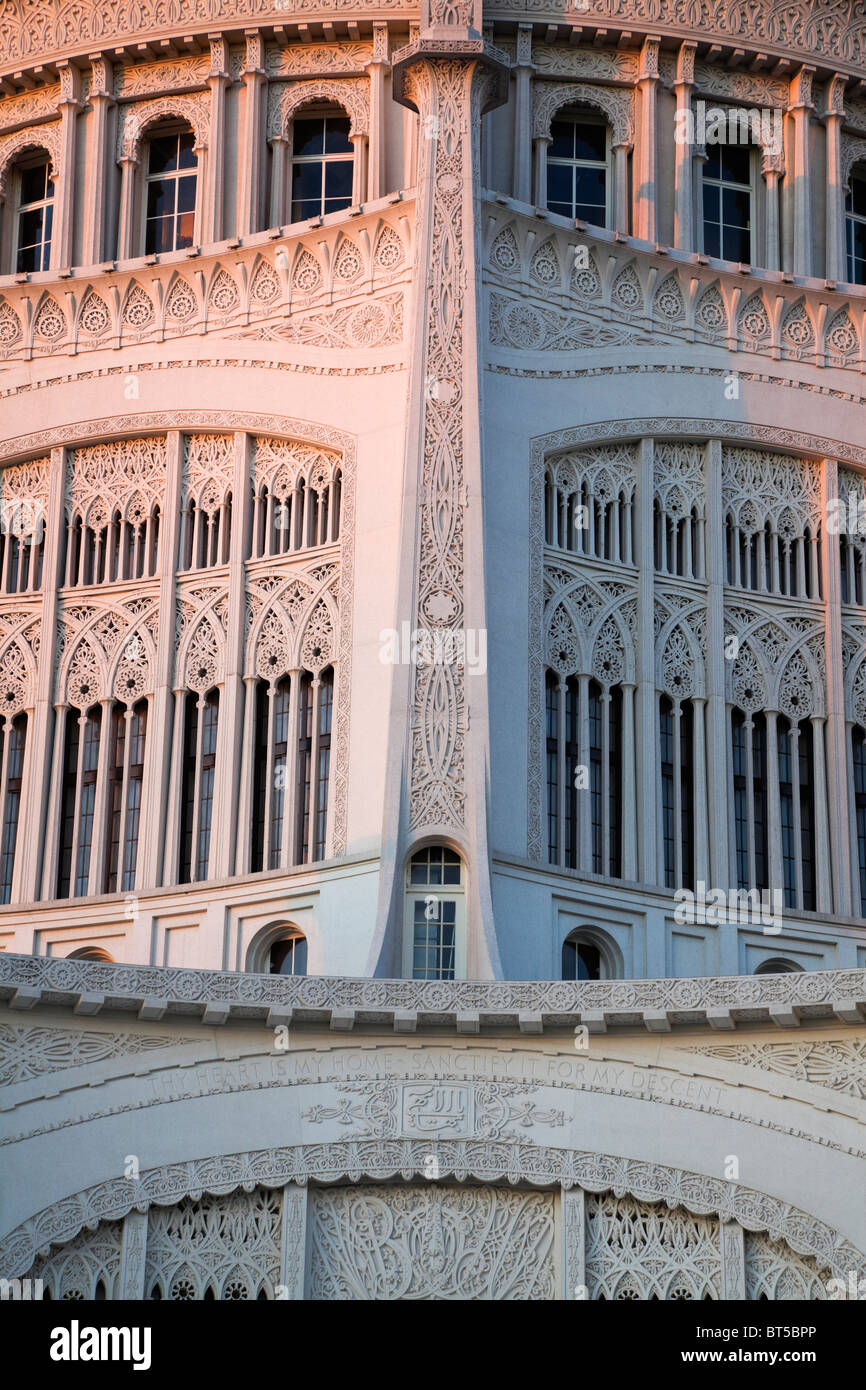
{"x":578,"y":157}
{"x":91,"y":953}
{"x":288,"y":955}
{"x":171,"y":178}
{"x":323,"y":163}
{"x":777,"y":965}
{"x":34,"y":212}
{"x":590,"y":954}
{"x":855,"y":226}
{"x":728,"y":219}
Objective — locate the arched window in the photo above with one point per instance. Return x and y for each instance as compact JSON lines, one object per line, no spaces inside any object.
{"x":80,"y":767}
{"x":313,"y":765}
{"x":590,"y":954}
{"x":777,"y":965}
{"x":858,"y":740}
{"x":749,"y":758}
{"x":796,"y":794}
{"x":91,"y":953}
{"x":435,"y":947}
{"x":171,"y":176}
{"x":288,"y":955}
{"x":584,"y":774}
{"x":13,"y":738}
{"x":578,"y":158}
{"x":728,"y":219}
{"x":22,"y":546}
{"x":291,"y":779}
{"x":205,"y":532}
{"x":855,"y":226}
{"x":677,"y":761}
{"x":323,"y":163}
{"x":34,"y":211}
{"x":201,"y":719}
{"x":126,"y":774}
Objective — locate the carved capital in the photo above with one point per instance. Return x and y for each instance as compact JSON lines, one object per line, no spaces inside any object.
{"x":686,"y":62}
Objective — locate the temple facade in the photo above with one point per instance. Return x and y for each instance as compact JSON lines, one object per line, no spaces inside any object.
{"x":433,"y":649}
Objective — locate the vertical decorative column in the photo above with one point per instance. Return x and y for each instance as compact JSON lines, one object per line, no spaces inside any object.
{"x":293,"y":1247}
{"x":645,"y":193}
{"x":376,"y":168}
{"x":800,"y":108}
{"x":837,"y":253}
{"x":645,"y":718}
{"x":230,"y":728}
{"x":684,"y":236}
{"x":838,"y":790}
{"x":621,"y":151}
{"x":776,"y":871}
{"x":702,"y":818}
{"x":133,"y":1250}
{"x":629,"y":785}
{"x":69,"y":106}
{"x":733,"y":1252}
{"x":716,"y":713}
{"x":522,"y":166}
{"x":101,"y":100}
{"x":359,"y":165}
{"x":772,"y":168}
{"x":40,"y":725}
{"x":450,"y":76}
{"x":250,"y":170}
{"x":125,"y":234}
{"x":573,"y":1208}
{"x":540,"y":146}
{"x":279,"y":179}
{"x":211,"y":220}
{"x":158,"y":744}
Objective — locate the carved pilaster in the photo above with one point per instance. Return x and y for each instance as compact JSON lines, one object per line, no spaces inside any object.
{"x":574,"y":1243}
{"x":645,"y":193}
{"x":836,"y":262}
{"x":522,"y":170}
{"x":211,"y":208}
{"x":801,"y":108}
{"x":376,"y":186}
{"x":293,"y":1249}
{"x":69,"y":106}
{"x":684,"y":236}
{"x":101,"y":100}
{"x":732,"y":1237}
{"x":252,"y":138}
{"x":133,"y":1251}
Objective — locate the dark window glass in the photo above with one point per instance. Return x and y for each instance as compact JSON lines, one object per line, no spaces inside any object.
{"x":14,"y":772}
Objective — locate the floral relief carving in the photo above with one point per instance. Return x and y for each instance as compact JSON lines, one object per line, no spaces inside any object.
{"x":837,"y":1065}
{"x":138,"y":311}
{"x":42,"y":137}
{"x":208,"y":469}
{"x":26,"y":1053}
{"x":94,"y":318}
{"x":137,"y":117}
{"x":775,"y":1272}
{"x":516,"y":324}
{"x":74,"y":1271}
{"x":352,"y":94}
{"x":758,"y":486}
{"x":50,"y":320}
{"x":108,"y":652}
{"x":372,"y":323}
{"x":229,"y":1246}
{"x":10,"y":327}
{"x":223,"y":297}
{"x":128,"y":474}
{"x":637,"y":1251}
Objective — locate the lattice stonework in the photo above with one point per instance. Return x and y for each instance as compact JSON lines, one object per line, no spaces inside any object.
{"x":223,"y":1247}
{"x":75,"y":1271}
{"x":639,"y":1251}
{"x":432,"y":1243}
{"x":774,"y":1272}
{"x":128,"y":474}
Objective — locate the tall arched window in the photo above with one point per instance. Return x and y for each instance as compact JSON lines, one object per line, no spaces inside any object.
{"x":291,"y":779}
{"x":588,"y":510}
{"x":749,"y":760}
{"x":13,"y":737}
{"x":205,"y":532}
{"x":323,"y":163}
{"x":677,"y":761}
{"x":855,"y":226}
{"x":858,"y":737}
{"x":34,"y":212}
{"x":678,"y":542}
{"x":728,"y":219}
{"x":170,"y":189}
{"x":580,"y":960}
{"x":578,"y":158}
{"x":80,"y":767}
{"x":126,"y":774}
{"x":584,"y":774}
{"x":435,"y":947}
{"x":22,"y":548}
{"x":797,"y":808}
{"x":315,"y":710}
{"x":201,"y":719}
{"x":761,"y":558}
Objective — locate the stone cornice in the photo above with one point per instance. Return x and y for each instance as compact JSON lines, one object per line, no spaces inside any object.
{"x":465,"y":1006}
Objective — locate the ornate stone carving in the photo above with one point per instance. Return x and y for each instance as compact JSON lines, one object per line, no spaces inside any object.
{"x":42,"y":137}
{"x":127,"y":475}
{"x":839,"y":1066}
{"x":176,"y":75}
{"x":516,"y":324}
{"x":229,"y":1245}
{"x":616,"y":103}
{"x":29,"y":1052}
{"x":75,"y":1270}
{"x":135,"y":119}
{"x":352,"y":94}
{"x":775,"y":1272}
{"x":372,"y":323}
{"x":637,"y":1251}
{"x":431,"y":1243}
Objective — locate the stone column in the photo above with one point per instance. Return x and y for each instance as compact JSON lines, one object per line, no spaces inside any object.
{"x":212,"y":194}
{"x":376,"y":170}
{"x":733,"y":1253}
{"x":125,"y":229}
{"x":772,"y":171}
{"x":540,"y":146}
{"x":646,"y":722}
{"x":359,"y":179}
{"x":838,"y":792}
{"x":573,"y":1208}
{"x":684,"y":236}
{"x":629,"y":793}
{"x":69,"y":106}
{"x":158,"y":743}
{"x":645,"y":191}
{"x":448,"y":76}
{"x":800,"y":108}
{"x":823,"y":880}
{"x":293,"y":1246}
{"x":702,"y":819}
{"x":621,"y":153}
{"x":99,"y":163}
{"x":278,"y":214}
{"x":35,"y":826}
{"x":252,"y":139}
{"x":521,"y":176}
{"x":230,"y":730}
{"x":836,"y":265}
{"x":717,"y":737}
{"x":133,"y":1248}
